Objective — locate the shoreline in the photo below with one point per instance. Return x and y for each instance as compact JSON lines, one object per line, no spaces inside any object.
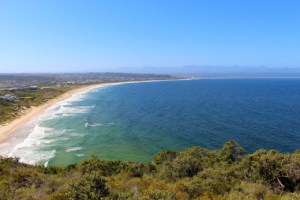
{"x":8,"y":129}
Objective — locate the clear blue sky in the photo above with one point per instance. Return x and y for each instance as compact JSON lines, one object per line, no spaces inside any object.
{"x":61,"y":35}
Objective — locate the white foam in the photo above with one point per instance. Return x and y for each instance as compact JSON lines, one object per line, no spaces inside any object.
{"x":66,"y":108}
{"x":32,"y":156}
{"x":73,"y":149}
{"x":34,"y":139}
{"x":67,"y":111}
{"x":74,"y":134}
{"x":64,"y":138}
{"x":3,"y":145}
{"x":96,"y":124}
{"x":31,"y":150}
{"x":29,"y":142}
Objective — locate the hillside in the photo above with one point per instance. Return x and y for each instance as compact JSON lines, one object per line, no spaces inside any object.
{"x":195,"y":173}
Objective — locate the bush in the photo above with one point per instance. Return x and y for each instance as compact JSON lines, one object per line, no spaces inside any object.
{"x":106,"y":168}
{"x":89,"y":187}
{"x":262,"y":165}
{"x":212,"y":180}
{"x":137,"y":170}
{"x":164,"y":156}
{"x":195,"y":173}
{"x":231,"y":152}
{"x":185,"y":166}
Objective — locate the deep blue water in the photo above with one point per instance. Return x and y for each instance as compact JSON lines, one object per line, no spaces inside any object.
{"x":134,"y":121}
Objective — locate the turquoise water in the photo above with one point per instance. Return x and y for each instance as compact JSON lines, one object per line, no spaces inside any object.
{"x":134,"y":121}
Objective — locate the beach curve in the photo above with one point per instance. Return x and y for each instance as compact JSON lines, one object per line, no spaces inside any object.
{"x":9,"y":128}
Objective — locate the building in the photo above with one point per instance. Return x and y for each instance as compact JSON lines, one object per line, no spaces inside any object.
{"x":8,"y":97}
{"x":22,"y":88}
{"x":33,"y":87}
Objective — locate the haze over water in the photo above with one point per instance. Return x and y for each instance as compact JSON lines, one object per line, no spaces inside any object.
{"x":134,"y":121}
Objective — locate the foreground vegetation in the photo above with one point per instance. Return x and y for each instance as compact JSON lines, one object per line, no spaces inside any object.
{"x":195,"y":173}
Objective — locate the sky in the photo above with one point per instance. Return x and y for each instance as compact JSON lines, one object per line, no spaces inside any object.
{"x":104,"y":35}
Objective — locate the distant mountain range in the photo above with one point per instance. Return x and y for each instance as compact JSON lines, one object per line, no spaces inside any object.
{"x":219,"y":71}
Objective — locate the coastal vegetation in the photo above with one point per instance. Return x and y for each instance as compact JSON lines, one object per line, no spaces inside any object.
{"x":27,"y":98}
{"x":196,"y":173}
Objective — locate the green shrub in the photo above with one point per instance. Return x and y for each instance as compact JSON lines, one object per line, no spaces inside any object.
{"x":106,"y":168}
{"x":164,"y":156}
{"x":231,"y":152}
{"x":89,"y":187}
{"x":195,"y":173}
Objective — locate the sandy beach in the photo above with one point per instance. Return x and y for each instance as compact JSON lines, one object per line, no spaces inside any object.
{"x":8,"y":129}
{"x":11,"y":127}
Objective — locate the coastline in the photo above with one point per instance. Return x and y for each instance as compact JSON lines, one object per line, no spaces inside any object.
{"x":9,"y":128}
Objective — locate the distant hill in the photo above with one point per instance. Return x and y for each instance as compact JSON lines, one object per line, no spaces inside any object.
{"x":219,"y":71}
{"x":27,"y":79}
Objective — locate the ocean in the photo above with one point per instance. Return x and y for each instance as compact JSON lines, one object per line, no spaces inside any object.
{"x":133,"y":121}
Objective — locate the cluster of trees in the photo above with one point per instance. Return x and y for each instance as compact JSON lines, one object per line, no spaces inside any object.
{"x":195,"y":173}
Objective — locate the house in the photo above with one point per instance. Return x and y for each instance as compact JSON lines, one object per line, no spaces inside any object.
{"x":22,"y":88}
{"x":46,"y":88}
{"x":34,"y":87}
{"x":8,"y":97}
{"x":11,"y":89}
